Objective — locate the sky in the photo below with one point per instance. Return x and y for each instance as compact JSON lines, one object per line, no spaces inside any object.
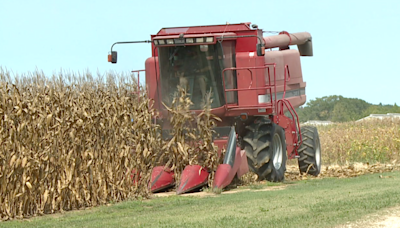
{"x":356,"y":52}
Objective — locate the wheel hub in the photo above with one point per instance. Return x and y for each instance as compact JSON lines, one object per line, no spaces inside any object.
{"x":318,"y":155}
{"x":278,"y":151}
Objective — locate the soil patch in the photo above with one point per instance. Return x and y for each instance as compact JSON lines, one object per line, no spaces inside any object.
{"x":231,"y":191}
{"x":387,"y":218}
{"x":345,"y":171}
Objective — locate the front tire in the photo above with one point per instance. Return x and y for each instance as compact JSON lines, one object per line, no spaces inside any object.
{"x":265,"y":147}
{"x":310,"y":151}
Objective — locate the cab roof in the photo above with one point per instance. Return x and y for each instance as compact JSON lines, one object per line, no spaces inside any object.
{"x":205,"y":29}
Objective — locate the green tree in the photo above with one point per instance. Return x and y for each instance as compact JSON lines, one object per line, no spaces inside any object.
{"x":349,"y":109}
{"x":340,"y":109}
{"x":325,"y":109}
{"x":319,"y":109}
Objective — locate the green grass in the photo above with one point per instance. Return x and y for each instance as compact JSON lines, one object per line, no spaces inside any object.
{"x":323,"y":203}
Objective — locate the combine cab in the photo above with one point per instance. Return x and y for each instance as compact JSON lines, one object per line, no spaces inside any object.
{"x":256,"y":83}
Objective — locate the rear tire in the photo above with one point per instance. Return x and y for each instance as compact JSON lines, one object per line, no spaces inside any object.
{"x":265,"y":148}
{"x":310,"y":151}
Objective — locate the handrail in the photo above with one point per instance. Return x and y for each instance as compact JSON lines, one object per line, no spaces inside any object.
{"x":285,"y":79}
{"x":289,"y":107}
{"x":268,"y":86}
{"x":288,"y":72}
{"x":276,"y":105}
{"x":269,"y":81}
{"x":233,"y":68}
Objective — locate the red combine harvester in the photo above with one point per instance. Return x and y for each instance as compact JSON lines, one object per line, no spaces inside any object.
{"x":256,"y":82}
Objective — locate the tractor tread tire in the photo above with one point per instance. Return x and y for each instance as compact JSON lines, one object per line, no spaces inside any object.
{"x":304,"y":167}
{"x":308,"y":136}
{"x":308,"y":144}
{"x":257,"y":143}
{"x":308,"y":151}
{"x":303,"y":158}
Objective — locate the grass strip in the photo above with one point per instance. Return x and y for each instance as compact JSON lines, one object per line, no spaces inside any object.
{"x":325,"y":202}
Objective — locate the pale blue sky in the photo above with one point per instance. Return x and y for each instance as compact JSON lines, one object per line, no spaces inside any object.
{"x":356,"y":51}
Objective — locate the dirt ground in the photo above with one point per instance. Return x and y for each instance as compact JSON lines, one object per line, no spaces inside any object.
{"x":344,"y":171}
{"x":209,"y":194}
{"x":388,"y":218}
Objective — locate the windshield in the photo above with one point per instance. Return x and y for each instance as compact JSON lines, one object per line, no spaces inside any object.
{"x":197,"y":69}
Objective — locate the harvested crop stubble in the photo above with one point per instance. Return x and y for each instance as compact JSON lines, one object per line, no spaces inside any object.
{"x":344,"y":171}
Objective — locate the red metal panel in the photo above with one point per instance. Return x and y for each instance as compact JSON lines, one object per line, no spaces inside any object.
{"x":161,"y":178}
{"x":247,"y":44}
{"x":225,"y":173}
{"x":251,"y":111}
{"x":282,"y":58}
{"x":193,"y":177}
{"x":153,"y":82}
{"x":291,"y":59}
{"x":244,"y":79}
{"x":195,"y":35}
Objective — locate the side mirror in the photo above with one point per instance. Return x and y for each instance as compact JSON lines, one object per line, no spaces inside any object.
{"x":260,"y":50}
{"x":112,"y":57}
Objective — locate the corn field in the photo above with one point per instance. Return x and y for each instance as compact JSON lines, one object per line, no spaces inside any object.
{"x":72,"y":141}
{"x":368,"y":142}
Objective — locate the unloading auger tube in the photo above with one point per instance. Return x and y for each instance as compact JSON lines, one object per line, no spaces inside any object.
{"x":303,"y":40}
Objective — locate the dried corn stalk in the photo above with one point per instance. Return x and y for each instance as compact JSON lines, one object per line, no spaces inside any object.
{"x":66,"y":143}
{"x":72,"y":141}
{"x":191,"y":141}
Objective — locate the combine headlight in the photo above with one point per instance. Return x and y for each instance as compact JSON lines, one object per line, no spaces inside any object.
{"x":181,"y":41}
{"x":200,"y":40}
{"x":209,"y":39}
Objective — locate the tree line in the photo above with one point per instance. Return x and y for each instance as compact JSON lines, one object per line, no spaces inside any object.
{"x":341,"y":109}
